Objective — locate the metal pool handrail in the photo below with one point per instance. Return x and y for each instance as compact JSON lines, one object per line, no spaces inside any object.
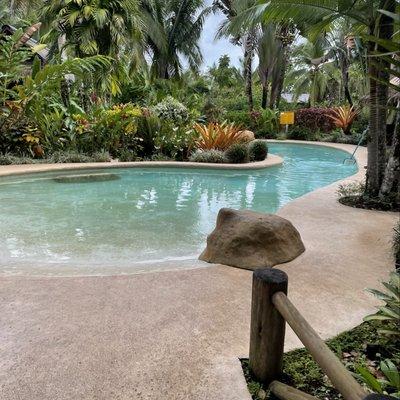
{"x":352,"y":158}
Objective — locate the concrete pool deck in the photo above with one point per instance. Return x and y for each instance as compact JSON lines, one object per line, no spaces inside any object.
{"x":178,"y":334}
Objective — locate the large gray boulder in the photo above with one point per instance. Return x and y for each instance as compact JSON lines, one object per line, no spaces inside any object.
{"x":252,"y":240}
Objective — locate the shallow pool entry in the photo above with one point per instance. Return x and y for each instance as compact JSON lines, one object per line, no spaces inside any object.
{"x":86,"y":178}
{"x":140,"y":219}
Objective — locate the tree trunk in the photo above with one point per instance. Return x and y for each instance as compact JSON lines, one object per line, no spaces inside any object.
{"x":391,"y":178}
{"x":345,"y":79}
{"x":281,"y":79}
{"x":248,"y":66}
{"x":277,"y":87}
{"x":65,"y":92}
{"x":264,"y":85}
{"x":379,"y":79}
{"x":372,"y":182}
{"x":264,"y":96}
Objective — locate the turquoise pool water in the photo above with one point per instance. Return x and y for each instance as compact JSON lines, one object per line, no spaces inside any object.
{"x":144,"y":215}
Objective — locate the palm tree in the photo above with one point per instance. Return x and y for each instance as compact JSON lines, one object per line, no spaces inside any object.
{"x":23,"y":7}
{"x":248,"y":38}
{"x":90,"y":27}
{"x":172,"y":33}
{"x":371,"y":18}
{"x":270,"y":58}
{"x":273,"y":48}
{"x":312,"y":72}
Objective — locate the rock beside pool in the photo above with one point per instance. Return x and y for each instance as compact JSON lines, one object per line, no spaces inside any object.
{"x":252,"y":240}
{"x":246,"y":136}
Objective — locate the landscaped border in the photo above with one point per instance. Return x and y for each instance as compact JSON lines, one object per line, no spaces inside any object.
{"x":7,"y":170}
{"x":271,"y":161}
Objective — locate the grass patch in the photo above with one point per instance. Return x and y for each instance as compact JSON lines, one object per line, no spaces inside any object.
{"x":359,"y":346}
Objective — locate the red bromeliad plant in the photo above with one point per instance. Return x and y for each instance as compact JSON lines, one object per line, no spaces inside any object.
{"x":343,"y":117}
{"x":216,"y":136}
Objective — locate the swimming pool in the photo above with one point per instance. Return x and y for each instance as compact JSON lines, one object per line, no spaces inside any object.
{"x":140,"y":219}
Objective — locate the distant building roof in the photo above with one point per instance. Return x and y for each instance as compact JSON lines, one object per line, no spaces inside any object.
{"x":303,"y":98}
{"x":31,"y":43}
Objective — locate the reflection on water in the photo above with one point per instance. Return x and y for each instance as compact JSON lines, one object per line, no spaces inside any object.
{"x":146,"y":215}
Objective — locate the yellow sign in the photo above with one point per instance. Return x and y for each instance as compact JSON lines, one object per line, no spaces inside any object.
{"x":287,"y":118}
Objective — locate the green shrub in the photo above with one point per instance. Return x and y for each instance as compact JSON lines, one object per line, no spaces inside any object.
{"x":69,"y":157}
{"x":111,"y":129}
{"x":101,"y":156}
{"x":209,"y":156}
{"x":360,"y":123}
{"x":303,"y":133}
{"x":265,"y":123}
{"x":175,"y":141}
{"x":258,"y":150}
{"x":337,"y":136}
{"x":9,"y":159}
{"x":149,"y":126}
{"x":171,"y":110}
{"x":238,"y":153}
{"x":239,"y":118}
{"x":211,"y":112}
{"x":160,"y":157}
{"x":127,"y":155}
{"x":351,"y":189}
{"x":390,"y":310}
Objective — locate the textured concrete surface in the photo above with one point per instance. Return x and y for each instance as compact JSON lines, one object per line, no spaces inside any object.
{"x":178,"y":334}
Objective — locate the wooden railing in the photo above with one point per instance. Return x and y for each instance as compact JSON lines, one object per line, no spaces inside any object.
{"x":270,"y":310}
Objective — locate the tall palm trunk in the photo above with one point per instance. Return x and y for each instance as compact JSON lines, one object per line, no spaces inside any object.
{"x":391,"y":179}
{"x":281,"y":81}
{"x":264,"y":98}
{"x":249,"y":45}
{"x":277,"y":84}
{"x":344,"y":69}
{"x":379,"y":78}
{"x":285,"y":37}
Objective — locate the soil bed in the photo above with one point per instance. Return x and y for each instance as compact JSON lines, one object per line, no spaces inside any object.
{"x":359,"y":346}
{"x":370,"y":204}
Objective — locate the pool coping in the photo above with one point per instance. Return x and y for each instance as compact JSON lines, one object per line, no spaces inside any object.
{"x":22,"y":169}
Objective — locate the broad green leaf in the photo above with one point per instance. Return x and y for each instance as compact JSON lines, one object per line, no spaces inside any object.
{"x":391,"y":373}
{"x":369,"y":379}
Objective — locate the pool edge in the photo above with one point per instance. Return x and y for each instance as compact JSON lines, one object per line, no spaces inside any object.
{"x":22,"y":169}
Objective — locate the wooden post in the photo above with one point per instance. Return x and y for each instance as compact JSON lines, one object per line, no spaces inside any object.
{"x":285,"y":392}
{"x":267,"y":329}
{"x":342,"y":379}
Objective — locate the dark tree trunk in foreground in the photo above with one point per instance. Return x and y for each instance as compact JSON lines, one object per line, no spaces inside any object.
{"x":379,"y":79}
{"x":390,"y":184}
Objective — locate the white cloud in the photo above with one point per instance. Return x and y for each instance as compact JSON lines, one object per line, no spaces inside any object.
{"x":213,"y":49}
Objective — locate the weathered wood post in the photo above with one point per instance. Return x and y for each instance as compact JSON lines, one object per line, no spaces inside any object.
{"x":267,"y":330}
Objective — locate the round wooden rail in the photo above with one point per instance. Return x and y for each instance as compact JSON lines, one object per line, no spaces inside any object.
{"x":329,"y":363}
{"x":285,"y":392}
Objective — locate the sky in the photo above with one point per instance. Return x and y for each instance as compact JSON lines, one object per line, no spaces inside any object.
{"x":213,"y":49}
